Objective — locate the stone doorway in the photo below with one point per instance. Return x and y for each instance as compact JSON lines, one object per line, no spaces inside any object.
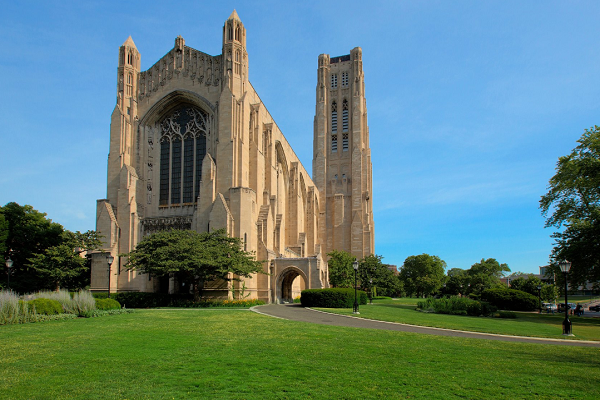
{"x":291,"y":284}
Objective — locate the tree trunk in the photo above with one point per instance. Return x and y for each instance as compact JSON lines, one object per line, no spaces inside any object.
{"x":196,"y":291}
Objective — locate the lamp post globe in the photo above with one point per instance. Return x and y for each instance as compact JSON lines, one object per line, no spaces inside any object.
{"x":9,"y":264}
{"x":355,"y":308}
{"x":565,"y":266}
{"x":109,"y":261}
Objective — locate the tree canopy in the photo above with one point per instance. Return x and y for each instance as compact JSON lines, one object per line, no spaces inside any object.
{"x":66,"y":263}
{"x":485,"y":275}
{"x":572,"y":204}
{"x":341,"y":272}
{"x":422,"y":275}
{"x":373,"y":274}
{"x":44,"y":254}
{"x":197,"y":258}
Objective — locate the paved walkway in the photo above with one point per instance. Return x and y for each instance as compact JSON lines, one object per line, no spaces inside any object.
{"x":296,"y":312}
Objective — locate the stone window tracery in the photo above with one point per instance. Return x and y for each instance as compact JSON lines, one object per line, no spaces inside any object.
{"x":334,"y":117}
{"x":182,"y":150}
{"x":345,"y":116}
{"x":334,"y":81}
{"x":344,"y":79}
{"x":129,"y":84}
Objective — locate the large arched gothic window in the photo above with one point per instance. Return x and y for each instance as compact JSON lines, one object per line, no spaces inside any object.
{"x":182,"y":149}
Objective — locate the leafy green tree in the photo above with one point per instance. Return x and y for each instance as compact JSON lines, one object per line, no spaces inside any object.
{"x":422,"y":275}
{"x":29,"y":233}
{"x":456,"y":280}
{"x":485,"y":274}
{"x":3,"y":237}
{"x":341,"y":272}
{"x":373,"y":274}
{"x":65,"y":264}
{"x":529,"y":284}
{"x":549,"y":293}
{"x":197,"y":258}
{"x":572,"y":205}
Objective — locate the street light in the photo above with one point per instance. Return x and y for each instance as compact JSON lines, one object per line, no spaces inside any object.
{"x":371,"y":291}
{"x":539,"y":288}
{"x":109,"y":261}
{"x":355,"y":266}
{"x":565,"y":266}
{"x":9,"y":264}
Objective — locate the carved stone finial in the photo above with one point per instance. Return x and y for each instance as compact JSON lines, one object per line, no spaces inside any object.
{"x":179,"y":43}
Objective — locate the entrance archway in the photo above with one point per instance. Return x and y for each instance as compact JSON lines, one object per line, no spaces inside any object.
{"x":290,"y":284}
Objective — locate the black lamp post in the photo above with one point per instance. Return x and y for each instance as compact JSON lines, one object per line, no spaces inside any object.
{"x":565,"y":266}
{"x":9,"y":264}
{"x":355,"y":266}
{"x":371,"y":291}
{"x":109,"y":261}
{"x":539,"y":288}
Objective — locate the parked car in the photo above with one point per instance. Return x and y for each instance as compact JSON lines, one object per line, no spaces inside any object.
{"x":570,"y":306}
{"x":549,"y":307}
{"x":595,"y":308}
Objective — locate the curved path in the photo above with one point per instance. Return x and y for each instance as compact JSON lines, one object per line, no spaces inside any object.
{"x":296,"y":312}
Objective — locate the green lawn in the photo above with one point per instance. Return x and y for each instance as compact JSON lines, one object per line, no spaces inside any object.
{"x":237,"y":354}
{"x":526,"y":324}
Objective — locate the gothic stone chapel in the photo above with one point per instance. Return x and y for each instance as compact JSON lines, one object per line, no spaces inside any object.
{"x":193,"y":147}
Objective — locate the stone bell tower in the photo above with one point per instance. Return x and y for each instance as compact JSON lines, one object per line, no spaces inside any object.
{"x":235,"y":55}
{"x":341,"y":155}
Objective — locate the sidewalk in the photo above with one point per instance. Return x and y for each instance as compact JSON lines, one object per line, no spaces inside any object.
{"x":296,"y":312}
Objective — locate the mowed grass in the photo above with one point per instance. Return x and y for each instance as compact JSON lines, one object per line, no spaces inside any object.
{"x":526,"y":324}
{"x":237,"y":354}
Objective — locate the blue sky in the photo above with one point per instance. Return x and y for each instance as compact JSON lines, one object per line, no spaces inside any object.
{"x":470,"y":104}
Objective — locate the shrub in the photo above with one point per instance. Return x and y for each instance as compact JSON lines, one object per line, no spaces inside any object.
{"x":510,"y":299}
{"x":142,"y":299}
{"x":107,"y":304}
{"x":62,"y":296}
{"x":209,"y":303}
{"x":331,"y":298}
{"x":45,"y":306}
{"x":456,"y":306}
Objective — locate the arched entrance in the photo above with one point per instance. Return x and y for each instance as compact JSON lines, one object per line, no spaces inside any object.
{"x":291,"y":283}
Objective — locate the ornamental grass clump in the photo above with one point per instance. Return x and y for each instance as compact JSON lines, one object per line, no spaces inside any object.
{"x":62,"y":296}
{"x":85,"y":303}
{"x":14,"y":311}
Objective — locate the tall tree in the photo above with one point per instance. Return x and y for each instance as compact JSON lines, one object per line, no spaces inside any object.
{"x":197,"y":258}
{"x":66,"y":264}
{"x":527,"y":284}
{"x":29,"y":233}
{"x":457,"y":279}
{"x":572,"y":205}
{"x":374,"y":274}
{"x":341,"y":272}
{"x":3,"y":236}
{"x":422,"y":275}
{"x":485,"y":275}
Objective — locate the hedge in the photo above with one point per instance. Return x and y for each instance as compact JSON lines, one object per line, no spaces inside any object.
{"x":510,"y":299}
{"x":331,"y":298}
{"x":45,"y":306}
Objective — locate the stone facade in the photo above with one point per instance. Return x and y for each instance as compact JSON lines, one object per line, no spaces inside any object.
{"x":193,"y":147}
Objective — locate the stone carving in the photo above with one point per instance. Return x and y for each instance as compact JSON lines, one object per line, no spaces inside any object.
{"x":153,"y":225}
{"x":191,"y":63}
